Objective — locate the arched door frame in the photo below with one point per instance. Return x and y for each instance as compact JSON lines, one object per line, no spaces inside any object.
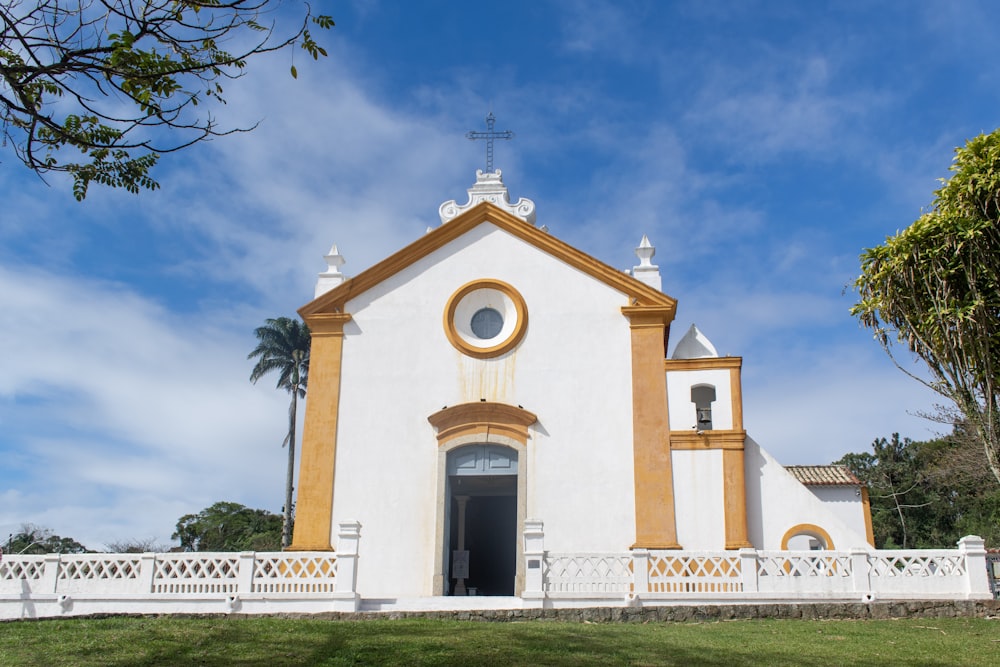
{"x":483,"y":423}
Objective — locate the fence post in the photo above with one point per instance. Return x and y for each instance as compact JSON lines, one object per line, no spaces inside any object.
{"x":977,"y":583}
{"x":640,"y":574}
{"x":50,"y":573}
{"x":244,"y":575}
{"x":748,"y":570}
{"x":345,"y":596}
{"x":534,"y":563}
{"x":860,"y":578}
{"x":147,"y":570}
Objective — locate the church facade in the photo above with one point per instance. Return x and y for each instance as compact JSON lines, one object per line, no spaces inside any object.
{"x":489,"y":374}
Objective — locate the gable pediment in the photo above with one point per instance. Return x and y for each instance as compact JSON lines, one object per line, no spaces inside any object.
{"x":638,"y":293}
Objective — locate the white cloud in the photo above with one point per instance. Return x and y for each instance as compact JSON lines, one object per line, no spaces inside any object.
{"x":113,"y":397}
{"x":812,"y":404}
{"x":781,"y":104}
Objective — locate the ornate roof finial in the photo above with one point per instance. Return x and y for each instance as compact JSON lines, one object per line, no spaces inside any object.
{"x":489,"y":135}
{"x":332,"y":276}
{"x":489,"y":187}
{"x":647,"y":272}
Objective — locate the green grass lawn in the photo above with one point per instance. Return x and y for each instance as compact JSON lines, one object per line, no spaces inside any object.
{"x":136,"y":641}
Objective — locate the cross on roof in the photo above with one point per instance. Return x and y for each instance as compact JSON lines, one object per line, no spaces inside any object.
{"x":489,"y":135}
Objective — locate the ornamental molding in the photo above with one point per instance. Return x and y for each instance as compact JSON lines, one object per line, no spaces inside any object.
{"x":489,"y":187}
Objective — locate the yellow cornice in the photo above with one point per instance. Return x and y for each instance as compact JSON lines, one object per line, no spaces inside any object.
{"x":638,"y":292}
{"x":707,"y":439}
{"x":704,"y":363}
{"x":327,"y":324}
{"x":652,"y":315}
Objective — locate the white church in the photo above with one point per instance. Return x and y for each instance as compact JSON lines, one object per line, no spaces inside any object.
{"x":499,"y":421}
{"x":489,"y":378}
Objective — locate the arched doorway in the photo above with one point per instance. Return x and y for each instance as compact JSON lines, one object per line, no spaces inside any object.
{"x":482,"y":456}
{"x":481,"y":498}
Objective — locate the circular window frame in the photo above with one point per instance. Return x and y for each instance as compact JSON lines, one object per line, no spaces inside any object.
{"x":474,"y":296}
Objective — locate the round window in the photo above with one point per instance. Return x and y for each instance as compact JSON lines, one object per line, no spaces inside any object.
{"x":487,"y":323}
{"x":485,"y":318}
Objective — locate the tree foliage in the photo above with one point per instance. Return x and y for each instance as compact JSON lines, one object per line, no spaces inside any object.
{"x":227,"y":526}
{"x":928,"y":494}
{"x":87,"y":87}
{"x":283,"y":347}
{"x":935,"y":288}
{"x":32,"y":539}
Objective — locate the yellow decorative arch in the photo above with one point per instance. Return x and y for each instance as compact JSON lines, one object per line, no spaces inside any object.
{"x":810,"y":529}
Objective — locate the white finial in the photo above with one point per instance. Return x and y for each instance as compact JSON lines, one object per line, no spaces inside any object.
{"x":645,"y":252}
{"x":647,"y":272}
{"x":489,"y":187}
{"x":694,"y":345}
{"x":332,"y":276}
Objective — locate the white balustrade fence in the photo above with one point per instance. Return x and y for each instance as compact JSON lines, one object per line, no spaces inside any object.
{"x":76,"y":584}
{"x":310,"y":582}
{"x":748,"y":574}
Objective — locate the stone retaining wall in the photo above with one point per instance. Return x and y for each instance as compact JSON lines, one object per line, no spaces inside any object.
{"x":665,"y":614}
{"x":701,"y":613}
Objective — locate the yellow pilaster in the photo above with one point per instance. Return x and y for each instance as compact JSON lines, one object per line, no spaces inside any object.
{"x":867,"y":509}
{"x":735,"y":492}
{"x":655,"y":524}
{"x":314,"y":505}
{"x":734,"y":470}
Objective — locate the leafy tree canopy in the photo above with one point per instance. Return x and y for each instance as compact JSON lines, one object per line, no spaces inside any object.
{"x":87,"y":87}
{"x":229,"y":526}
{"x":32,"y":539}
{"x":935,"y":288}
{"x":928,"y":494}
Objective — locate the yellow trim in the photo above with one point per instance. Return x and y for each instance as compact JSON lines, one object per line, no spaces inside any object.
{"x":705,"y":363}
{"x":655,"y":522}
{"x":482,"y":418}
{"x":733,"y":468}
{"x":807,"y":529}
{"x":520,"y":326}
{"x":735,"y":499}
{"x":314,"y":506}
{"x":638,"y":292}
{"x":707,"y":440}
{"x":866,"y":506}
{"x":736,"y":391}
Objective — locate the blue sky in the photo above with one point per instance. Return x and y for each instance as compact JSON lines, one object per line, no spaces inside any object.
{"x":759,"y":145}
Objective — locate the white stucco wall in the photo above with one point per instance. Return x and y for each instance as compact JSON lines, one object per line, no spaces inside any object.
{"x":699,"y":499}
{"x":682,"y":410}
{"x":776,"y":502}
{"x":572,"y":369}
{"x":844,"y":501}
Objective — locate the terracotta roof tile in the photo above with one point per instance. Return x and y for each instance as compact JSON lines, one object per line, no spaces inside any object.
{"x":823,"y":475}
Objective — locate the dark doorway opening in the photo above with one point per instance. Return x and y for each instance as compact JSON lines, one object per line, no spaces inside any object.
{"x":490,"y":531}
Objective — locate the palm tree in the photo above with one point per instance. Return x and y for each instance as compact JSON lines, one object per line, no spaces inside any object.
{"x":283,"y":346}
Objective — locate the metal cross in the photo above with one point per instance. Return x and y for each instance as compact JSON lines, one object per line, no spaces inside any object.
{"x":489,"y":135}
